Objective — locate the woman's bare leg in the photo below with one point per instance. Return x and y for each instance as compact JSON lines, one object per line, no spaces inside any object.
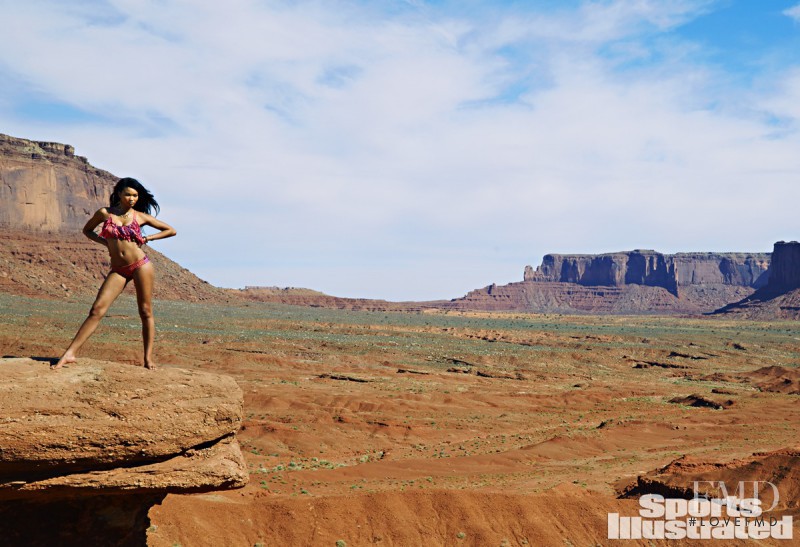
{"x":109,"y":291}
{"x":143,"y":279}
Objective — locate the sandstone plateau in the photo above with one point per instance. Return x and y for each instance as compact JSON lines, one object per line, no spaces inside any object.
{"x":86,"y":451}
{"x":653,"y":269}
{"x":640,"y":281}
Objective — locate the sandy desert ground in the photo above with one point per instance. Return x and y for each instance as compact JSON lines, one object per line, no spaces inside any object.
{"x":366,"y":428}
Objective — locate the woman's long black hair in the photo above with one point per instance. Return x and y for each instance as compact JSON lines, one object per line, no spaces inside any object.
{"x":146,"y":202}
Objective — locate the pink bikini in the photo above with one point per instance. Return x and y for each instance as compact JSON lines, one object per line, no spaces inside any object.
{"x":130,"y":232}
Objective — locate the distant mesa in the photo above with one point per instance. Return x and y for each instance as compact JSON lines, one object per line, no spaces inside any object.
{"x":780,"y":297}
{"x":631,"y":282}
{"x":654,"y":269}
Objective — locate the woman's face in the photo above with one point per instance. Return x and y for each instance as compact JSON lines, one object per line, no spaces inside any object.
{"x":128,"y":197}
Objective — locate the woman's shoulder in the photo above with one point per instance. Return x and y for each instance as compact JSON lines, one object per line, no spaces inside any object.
{"x":103,"y":213}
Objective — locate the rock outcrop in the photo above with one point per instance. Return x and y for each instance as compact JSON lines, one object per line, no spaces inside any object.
{"x":733,"y":269}
{"x":780,"y":297}
{"x":773,"y":378}
{"x":44,"y":186}
{"x":86,"y":451}
{"x":785,"y":271}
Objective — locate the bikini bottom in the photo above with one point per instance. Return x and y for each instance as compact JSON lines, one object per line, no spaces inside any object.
{"x":127,"y":270}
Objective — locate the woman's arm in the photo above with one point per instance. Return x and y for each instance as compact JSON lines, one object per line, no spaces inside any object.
{"x":165,"y":229}
{"x":88,"y":229}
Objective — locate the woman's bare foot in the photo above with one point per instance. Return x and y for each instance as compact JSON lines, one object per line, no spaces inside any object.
{"x":65,"y":359}
{"x":149,"y":365}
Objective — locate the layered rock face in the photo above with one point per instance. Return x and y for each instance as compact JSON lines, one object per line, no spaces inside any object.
{"x":44,"y":186}
{"x":640,"y":281}
{"x":86,"y":451}
{"x":780,"y":297}
{"x":785,"y":271}
{"x":735,"y":269}
{"x":653,"y":269}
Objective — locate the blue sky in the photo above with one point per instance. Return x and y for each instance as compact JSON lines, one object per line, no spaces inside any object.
{"x":418,"y":150}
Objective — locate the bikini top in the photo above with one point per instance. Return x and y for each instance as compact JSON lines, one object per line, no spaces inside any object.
{"x":130,"y":232}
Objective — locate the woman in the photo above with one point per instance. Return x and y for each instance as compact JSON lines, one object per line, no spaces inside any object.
{"x":131,"y":205}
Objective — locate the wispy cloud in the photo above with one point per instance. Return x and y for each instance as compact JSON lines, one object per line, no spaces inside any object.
{"x":793,"y":12}
{"x":437,"y":149}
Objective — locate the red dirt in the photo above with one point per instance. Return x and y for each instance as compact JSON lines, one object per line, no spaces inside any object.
{"x":533,"y":453}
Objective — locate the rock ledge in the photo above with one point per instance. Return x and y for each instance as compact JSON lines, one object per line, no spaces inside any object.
{"x":91,"y":448}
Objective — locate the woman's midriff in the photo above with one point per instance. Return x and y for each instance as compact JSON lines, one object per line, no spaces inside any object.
{"x":123,"y":252}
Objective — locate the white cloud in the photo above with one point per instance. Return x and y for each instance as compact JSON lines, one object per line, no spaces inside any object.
{"x":793,"y":12}
{"x":308,"y":143}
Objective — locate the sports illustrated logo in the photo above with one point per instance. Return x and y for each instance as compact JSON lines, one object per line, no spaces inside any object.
{"x":738,"y":516}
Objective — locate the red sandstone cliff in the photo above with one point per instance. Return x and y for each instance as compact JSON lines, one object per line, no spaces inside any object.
{"x":44,"y":186}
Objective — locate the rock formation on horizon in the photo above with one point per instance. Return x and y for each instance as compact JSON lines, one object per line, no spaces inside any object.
{"x":632,"y":282}
{"x":654,"y":269}
{"x":785,"y":269}
{"x":780,"y":297}
{"x":86,"y":451}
